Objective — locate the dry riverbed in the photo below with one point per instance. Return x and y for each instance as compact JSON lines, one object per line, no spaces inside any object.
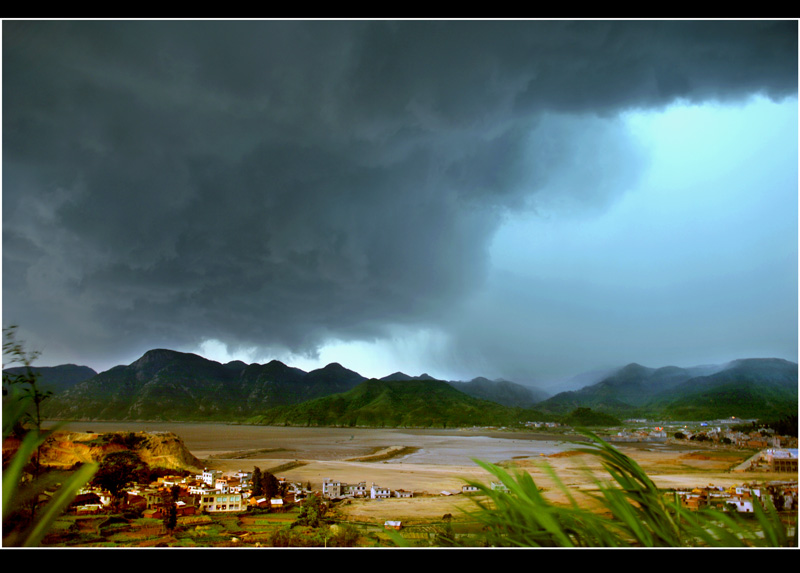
{"x":437,"y":462}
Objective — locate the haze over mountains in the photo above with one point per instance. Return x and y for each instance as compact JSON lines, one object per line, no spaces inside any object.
{"x":170,"y":385}
{"x":746,"y":388}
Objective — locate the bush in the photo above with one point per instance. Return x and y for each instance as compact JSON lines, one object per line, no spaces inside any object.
{"x":343,"y":535}
{"x":300,"y":536}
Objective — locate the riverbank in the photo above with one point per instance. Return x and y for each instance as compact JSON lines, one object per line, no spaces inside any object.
{"x":435,"y":464}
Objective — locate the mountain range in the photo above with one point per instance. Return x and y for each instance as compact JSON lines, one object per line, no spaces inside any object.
{"x":55,"y":378}
{"x":170,"y":385}
{"x":750,"y":388}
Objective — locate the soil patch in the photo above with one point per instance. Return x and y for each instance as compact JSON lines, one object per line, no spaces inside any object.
{"x":569,"y":454}
{"x":383,"y":454}
{"x":246,"y":454}
{"x":696,"y":456}
{"x":286,"y":467}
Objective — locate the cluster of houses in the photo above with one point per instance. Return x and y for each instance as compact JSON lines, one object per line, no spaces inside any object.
{"x":712,"y":433}
{"x":334,"y":489}
{"x":757,"y":439}
{"x":656,"y":434}
{"x":212,"y":491}
{"x":782,"y":495}
{"x":542,"y":425}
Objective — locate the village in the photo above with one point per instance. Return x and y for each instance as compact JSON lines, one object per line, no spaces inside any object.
{"x":719,"y":432}
{"x":212,"y":492}
{"x":782,"y":495}
{"x":217,"y":492}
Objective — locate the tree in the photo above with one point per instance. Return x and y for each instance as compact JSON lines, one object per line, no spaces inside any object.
{"x":169,"y":499}
{"x":312,"y":512}
{"x":257,"y":485}
{"x":25,"y":521}
{"x":116,"y":470}
{"x":24,"y":384}
{"x":270,"y":484}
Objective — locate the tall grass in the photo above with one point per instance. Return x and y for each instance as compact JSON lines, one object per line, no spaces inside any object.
{"x":631,"y":512}
{"x":21,"y":496}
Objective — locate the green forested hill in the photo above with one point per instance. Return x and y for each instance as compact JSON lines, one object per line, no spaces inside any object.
{"x":746,"y":389}
{"x":55,"y":378}
{"x":169,"y":385}
{"x":396,"y":403}
{"x":751,"y":388}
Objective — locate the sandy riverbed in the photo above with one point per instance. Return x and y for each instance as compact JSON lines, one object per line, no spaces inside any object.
{"x":433,"y":461}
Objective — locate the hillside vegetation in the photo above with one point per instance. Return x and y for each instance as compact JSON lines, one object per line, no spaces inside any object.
{"x":172,"y":386}
{"x":409,"y":403}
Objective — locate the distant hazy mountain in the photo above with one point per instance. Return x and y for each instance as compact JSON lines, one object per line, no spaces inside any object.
{"x":398,"y":376}
{"x":572,"y":383}
{"x":501,"y":392}
{"x":743,"y":388}
{"x":169,"y":385}
{"x":752,"y":388}
{"x":56,"y":378}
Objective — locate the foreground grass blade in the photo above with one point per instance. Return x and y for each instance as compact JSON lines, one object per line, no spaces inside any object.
{"x":641,"y":514}
{"x":59,"y":502}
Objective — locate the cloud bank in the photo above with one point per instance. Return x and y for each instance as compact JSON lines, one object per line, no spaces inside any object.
{"x":278,"y":185}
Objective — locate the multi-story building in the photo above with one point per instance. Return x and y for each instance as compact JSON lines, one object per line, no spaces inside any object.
{"x":210,"y":476}
{"x":377,"y":492}
{"x":221,"y":502}
{"x":331,"y":489}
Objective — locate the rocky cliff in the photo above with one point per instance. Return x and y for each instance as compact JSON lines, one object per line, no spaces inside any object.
{"x":157,"y":449}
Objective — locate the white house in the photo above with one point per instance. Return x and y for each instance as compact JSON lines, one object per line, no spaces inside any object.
{"x":210,"y":476}
{"x":741,"y":505}
{"x":377,"y":492}
{"x":356,"y":489}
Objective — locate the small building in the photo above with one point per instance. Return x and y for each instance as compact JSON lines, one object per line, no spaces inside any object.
{"x":331,"y":489}
{"x":741,"y":505}
{"x":89,"y":509}
{"x":184,"y":509}
{"x":221,"y":502}
{"x":782,"y":460}
{"x":260,"y":502}
{"x":377,"y":492}
{"x":153,"y":513}
{"x":210,"y":476}
{"x":356,"y":490}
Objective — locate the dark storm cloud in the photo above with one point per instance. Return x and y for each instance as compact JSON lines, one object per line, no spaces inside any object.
{"x":278,"y":183}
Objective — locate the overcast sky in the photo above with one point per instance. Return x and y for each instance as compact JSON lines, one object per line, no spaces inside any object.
{"x":525,"y":200}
